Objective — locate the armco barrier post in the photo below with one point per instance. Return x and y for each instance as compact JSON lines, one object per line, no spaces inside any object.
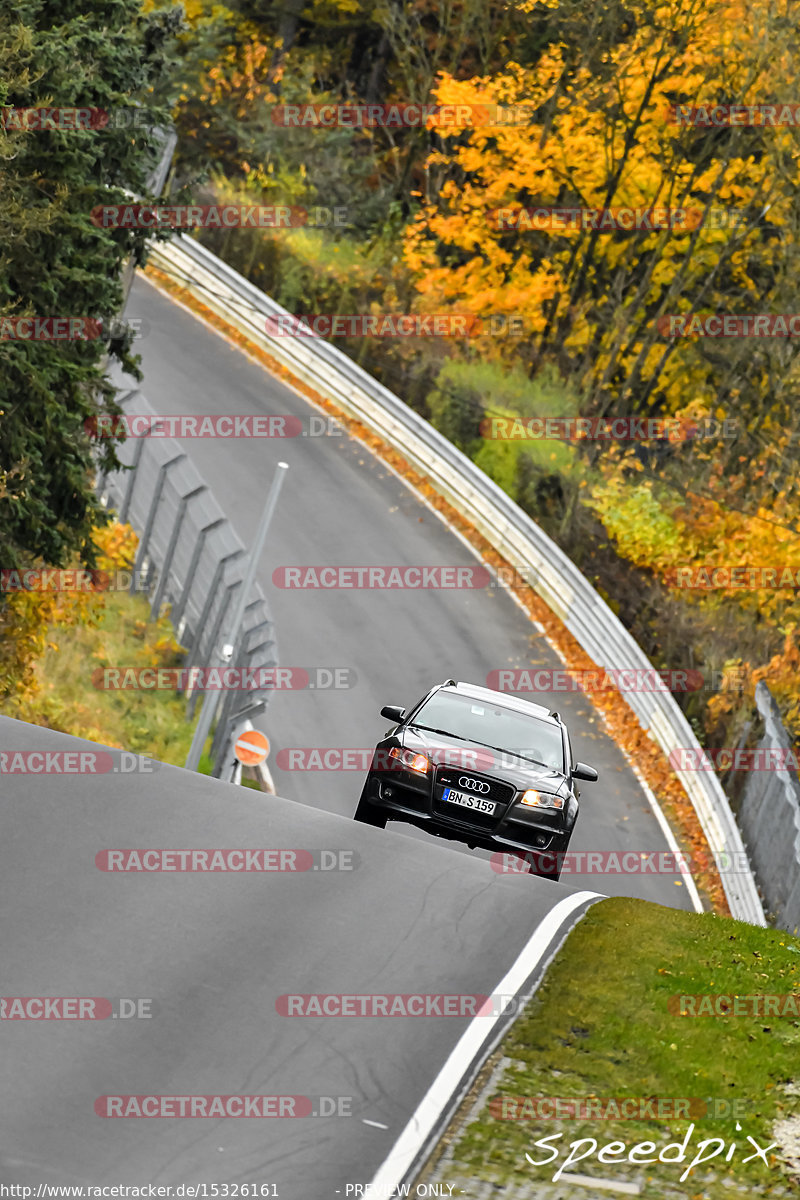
{"x":163,"y":575}
{"x":213,"y":640}
{"x":199,"y":546}
{"x":197,"y":643}
{"x":144,"y":541}
{"x":126,"y":503}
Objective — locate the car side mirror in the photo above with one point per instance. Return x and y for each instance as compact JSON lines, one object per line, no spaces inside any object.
{"x":583,"y":771}
{"x":392,"y":712}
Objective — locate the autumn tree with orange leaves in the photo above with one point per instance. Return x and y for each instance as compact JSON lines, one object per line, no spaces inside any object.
{"x":443,"y":223}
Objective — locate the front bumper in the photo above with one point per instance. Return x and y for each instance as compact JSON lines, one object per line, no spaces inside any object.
{"x":415,"y":800}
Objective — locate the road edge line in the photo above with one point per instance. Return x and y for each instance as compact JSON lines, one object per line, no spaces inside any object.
{"x":480,"y":1038}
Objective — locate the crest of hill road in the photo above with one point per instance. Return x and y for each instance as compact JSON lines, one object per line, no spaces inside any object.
{"x":629,"y":516}
{"x":592,"y":302}
{"x":637,"y":1027}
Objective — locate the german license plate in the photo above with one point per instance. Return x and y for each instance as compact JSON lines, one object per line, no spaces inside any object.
{"x":477,"y":803}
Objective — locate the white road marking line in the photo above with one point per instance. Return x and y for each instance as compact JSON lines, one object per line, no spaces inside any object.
{"x":671,"y":840}
{"x":427,"y":1113}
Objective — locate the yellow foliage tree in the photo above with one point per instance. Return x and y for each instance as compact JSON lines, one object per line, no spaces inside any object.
{"x":29,"y":620}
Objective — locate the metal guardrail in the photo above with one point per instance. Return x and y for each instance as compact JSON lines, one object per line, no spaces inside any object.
{"x":497,"y":518}
{"x":190,"y":558}
{"x":770,"y":814}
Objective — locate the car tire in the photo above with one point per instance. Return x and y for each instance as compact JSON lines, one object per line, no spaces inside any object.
{"x":369,"y":814}
{"x":559,"y":845}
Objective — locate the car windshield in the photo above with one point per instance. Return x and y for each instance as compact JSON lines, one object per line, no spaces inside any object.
{"x":491,"y":724}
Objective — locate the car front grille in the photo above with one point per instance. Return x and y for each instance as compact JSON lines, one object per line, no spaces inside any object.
{"x":501,"y":793}
{"x":498,"y":791}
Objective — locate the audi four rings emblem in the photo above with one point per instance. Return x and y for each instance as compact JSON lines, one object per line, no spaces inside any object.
{"x":477,"y":785}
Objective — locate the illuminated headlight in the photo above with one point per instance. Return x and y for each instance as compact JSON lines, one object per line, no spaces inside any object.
{"x":536,"y":799}
{"x":414,"y":762}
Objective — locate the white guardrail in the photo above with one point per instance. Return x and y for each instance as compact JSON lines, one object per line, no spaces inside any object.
{"x":500,"y":521}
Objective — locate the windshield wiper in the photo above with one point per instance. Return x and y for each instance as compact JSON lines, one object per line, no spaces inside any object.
{"x":443,"y":732}
{"x":515,"y":754}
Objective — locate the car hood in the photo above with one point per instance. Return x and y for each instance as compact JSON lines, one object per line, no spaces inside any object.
{"x":469,"y":756}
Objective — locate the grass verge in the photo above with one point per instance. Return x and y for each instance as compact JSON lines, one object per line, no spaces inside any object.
{"x":120,"y":634}
{"x":606,"y":1023}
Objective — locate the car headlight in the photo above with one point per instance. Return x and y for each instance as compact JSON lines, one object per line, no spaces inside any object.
{"x":536,"y":799}
{"x":412,"y":760}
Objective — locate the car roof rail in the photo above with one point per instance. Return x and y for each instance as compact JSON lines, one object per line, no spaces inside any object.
{"x":556,"y":716}
{"x":449,"y":683}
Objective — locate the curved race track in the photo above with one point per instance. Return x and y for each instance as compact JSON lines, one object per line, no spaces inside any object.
{"x":210,"y":954}
{"x":215,"y":951}
{"x":340,"y":505}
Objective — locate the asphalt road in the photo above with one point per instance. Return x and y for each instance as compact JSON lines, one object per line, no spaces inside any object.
{"x":211,"y":953}
{"x":341,"y":505}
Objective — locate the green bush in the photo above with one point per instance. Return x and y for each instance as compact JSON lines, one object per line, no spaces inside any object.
{"x":535,"y":473}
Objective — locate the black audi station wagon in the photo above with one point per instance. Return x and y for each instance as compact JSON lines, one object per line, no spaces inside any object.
{"x":479,"y":767}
